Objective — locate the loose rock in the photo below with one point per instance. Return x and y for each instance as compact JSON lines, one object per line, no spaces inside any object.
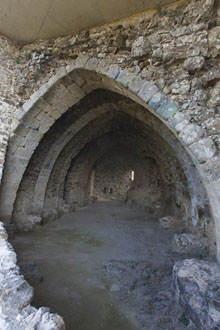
{"x":197,"y":285}
{"x":140,"y":47}
{"x":32,"y":222}
{"x":190,"y":244}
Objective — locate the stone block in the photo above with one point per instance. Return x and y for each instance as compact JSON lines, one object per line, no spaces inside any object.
{"x":9,"y":198}
{"x":31,"y":144}
{"x":81,"y":61}
{"x":45,"y":119}
{"x":23,"y":152}
{"x":157,"y":54}
{"x":193,"y":64}
{"x":191,"y":134}
{"x":203,"y":149}
{"x":92,"y":64}
{"x":76,"y":91}
{"x":180,"y":126}
{"x":90,"y":87}
{"x":214,"y":41}
{"x":135,"y":84}
{"x":40,"y":92}
{"x":61,"y":72}
{"x":70,"y":67}
{"x":158,"y":100}
{"x":148,"y":90}
{"x":43,"y":128}
{"x":60,"y":97}
{"x":66,"y":81}
{"x":28,"y":105}
{"x":103,"y":66}
{"x":196,"y":84}
{"x":190,"y":244}
{"x":15,"y":123}
{"x":197,"y":285}
{"x":76,"y":78}
{"x":23,"y":129}
{"x":140,"y":47}
{"x":41,"y":106}
{"x":34,"y":135}
{"x":183,"y":30}
{"x":168,"y":109}
{"x":125,"y":77}
{"x":113,"y":71}
{"x":15,"y":170}
{"x":33,"y":123}
{"x":54,"y":114}
{"x":20,"y":114}
{"x":181,"y":87}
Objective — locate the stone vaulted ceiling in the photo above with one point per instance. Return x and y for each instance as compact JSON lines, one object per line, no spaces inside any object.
{"x":27,"y":20}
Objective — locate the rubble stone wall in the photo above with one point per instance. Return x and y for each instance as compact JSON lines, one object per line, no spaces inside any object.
{"x":112,"y":178}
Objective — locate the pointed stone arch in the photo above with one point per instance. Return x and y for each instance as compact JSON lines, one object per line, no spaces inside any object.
{"x":70,"y":85}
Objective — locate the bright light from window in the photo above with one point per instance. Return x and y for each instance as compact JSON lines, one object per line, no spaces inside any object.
{"x":132,"y":175}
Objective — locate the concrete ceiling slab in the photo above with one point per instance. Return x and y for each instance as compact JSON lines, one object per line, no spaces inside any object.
{"x":28,"y":20}
{"x":23,"y":19}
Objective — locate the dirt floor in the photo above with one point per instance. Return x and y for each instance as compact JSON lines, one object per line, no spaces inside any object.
{"x":107,"y":266}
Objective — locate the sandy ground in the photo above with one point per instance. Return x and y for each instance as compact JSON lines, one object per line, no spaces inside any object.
{"x":107,"y":266}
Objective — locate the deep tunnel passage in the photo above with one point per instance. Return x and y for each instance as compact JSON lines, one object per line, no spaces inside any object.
{"x":86,"y":156}
{"x":68,"y":181}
